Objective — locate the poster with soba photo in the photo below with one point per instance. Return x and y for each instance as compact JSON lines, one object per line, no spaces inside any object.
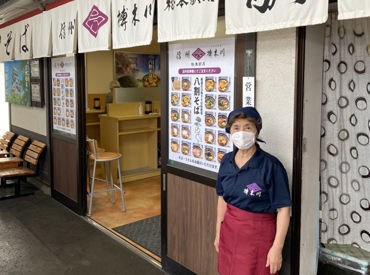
{"x":137,"y":70}
{"x":200,"y":97}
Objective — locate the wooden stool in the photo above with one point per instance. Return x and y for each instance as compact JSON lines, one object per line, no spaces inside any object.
{"x":105,"y":157}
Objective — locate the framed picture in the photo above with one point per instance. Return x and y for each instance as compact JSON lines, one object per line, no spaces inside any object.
{"x":35,"y":68}
{"x":17,"y":82}
{"x":35,"y":91}
{"x":37,"y":83}
{"x":137,"y":70}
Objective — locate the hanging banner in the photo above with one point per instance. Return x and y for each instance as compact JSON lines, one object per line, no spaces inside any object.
{"x":23,"y":45}
{"x":348,"y":9}
{"x":8,"y":36}
{"x":41,"y":35}
{"x":191,"y":19}
{"x":132,"y":23}
{"x":244,"y":16}
{"x":64,"y":94}
{"x":201,"y":95}
{"x":94,"y":25}
{"x":64,"y":27}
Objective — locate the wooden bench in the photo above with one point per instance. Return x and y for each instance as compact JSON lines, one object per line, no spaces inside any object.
{"x":6,"y":141}
{"x":31,"y":158}
{"x":17,"y":147}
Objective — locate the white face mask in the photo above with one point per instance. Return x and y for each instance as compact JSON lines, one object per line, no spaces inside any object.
{"x":243,"y":140}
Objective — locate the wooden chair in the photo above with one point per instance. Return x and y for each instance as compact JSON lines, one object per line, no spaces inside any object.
{"x":106,"y":158}
{"x":17,"y":147}
{"x":6,"y":141}
{"x":31,"y":159}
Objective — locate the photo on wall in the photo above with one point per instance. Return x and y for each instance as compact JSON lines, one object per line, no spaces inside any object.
{"x":137,"y":70}
{"x":17,"y":82}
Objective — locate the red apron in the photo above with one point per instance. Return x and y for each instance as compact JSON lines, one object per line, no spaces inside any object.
{"x":245,"y":240}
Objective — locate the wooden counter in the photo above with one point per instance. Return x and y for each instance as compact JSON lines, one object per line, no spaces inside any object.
{"x":93,"y":123}
{"x":136,"y":138}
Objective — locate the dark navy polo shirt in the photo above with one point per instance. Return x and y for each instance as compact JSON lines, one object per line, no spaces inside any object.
{"x":260,"y":186}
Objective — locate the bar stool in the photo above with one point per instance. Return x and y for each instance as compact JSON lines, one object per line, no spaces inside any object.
{"x":105,"y":157}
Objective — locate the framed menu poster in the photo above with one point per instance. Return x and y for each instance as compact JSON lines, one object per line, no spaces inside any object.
{"x":64,"y":94}
{"x":201,"y":95}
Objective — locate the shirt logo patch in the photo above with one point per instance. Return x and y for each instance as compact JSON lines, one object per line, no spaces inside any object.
{"x":253,"y":190}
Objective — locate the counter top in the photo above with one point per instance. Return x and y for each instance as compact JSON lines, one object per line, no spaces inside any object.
{"x":133,"y":117}
{"x":94,"y":111}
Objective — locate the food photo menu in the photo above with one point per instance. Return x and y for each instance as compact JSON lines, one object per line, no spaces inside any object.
{"x":201,"y":95}
{"x":64,"y":94}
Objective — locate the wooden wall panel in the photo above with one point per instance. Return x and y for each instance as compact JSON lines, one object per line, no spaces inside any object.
{"x":65,"y":164}
{"x":191,"y":221}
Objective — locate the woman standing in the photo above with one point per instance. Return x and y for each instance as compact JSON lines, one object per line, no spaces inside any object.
{"x":253,"y":209}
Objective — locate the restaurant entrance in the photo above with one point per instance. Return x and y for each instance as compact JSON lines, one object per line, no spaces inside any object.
{"x":122,"y":117}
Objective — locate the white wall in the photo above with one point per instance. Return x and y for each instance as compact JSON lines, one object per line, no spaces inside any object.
{"x":275,"y":88}
{"x":311,"y":153}
{"x":29,"y":118}
{"x":4,"y":106}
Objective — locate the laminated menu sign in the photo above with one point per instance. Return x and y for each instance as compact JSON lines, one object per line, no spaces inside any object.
{"x":64,"y":94}
{"x":201,"y":95}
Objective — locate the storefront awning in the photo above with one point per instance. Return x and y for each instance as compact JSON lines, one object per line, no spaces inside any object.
{"x":64,"y":29}
{"x":41,"y":35}
{"x":348,"y":9}
{"x":23,"y":45}
{"x":245,"y":16}
{"x":132,"y":23}
{"x":179,"y":20}
{"x":96,"y":24}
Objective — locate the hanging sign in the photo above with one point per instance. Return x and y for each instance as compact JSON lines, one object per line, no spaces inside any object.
{"x":23,"y":45}
{"x":41,"y":35}
{"x":8,"y":36}
{"x":191,"y":19}
{"x":244,"y":16}
{"x":348,"y":9}
{"x":64,"y":94}
{"x":94,"y":26}
{"x":133,"y":23}
{"x":64,"y":29}
{"x":248,"y":91}
{"x":201,"y":95}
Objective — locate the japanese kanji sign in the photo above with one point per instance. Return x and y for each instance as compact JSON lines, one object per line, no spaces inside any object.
{"x":186,"y":19}
{"x":348,"y":9}
{"x":132,"y":23}
{"x":248,"y":91}
{"x":7,"y":38}
{"x":41,"y":35}
{"x":245,"y":16}
{"x":23,"y":45}
{"x":94,"y":26}
{"x":64,"y":29}
{"x":201,"y":95}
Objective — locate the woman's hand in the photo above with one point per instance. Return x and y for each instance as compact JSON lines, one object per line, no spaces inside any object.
{"x":274,"y":259}
{"x":217,"y":241}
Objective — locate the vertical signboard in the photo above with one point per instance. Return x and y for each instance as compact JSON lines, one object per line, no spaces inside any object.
{"x":201,"y":95}
{"x":64,"y":94}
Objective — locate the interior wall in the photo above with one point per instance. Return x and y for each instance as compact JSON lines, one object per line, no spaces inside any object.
{"x":275,"y":88}
{"x":30,"y":118}
{"x":100,"y":65}
{"x":311,"y":151}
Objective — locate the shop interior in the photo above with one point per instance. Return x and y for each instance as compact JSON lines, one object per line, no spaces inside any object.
{"x":123,"y":116}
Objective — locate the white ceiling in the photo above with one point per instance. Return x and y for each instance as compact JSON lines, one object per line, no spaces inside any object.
{"x":16,"y":8}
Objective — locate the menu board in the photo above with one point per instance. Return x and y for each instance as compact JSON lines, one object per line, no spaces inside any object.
{"x":201,"y":95}
{"x":64,"y":94}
